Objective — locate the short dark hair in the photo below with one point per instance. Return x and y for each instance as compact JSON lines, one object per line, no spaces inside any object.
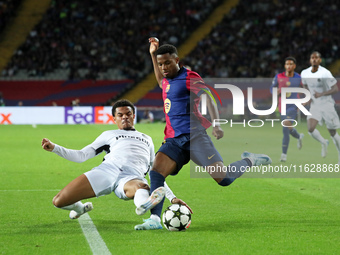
{"x":166,"y":48}
{"x":316,"y":52}
{"x":121,"y":103}
{"x":292,"y":59}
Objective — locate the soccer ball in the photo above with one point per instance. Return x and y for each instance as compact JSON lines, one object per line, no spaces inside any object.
{"x":176,"y":218}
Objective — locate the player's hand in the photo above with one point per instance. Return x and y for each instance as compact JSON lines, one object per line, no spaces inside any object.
{"x":47,"y":145}
{"x":317,"y":94}
{"x":154,"y":44}
{"x":181,"y":202}
{"x":218,"y":132}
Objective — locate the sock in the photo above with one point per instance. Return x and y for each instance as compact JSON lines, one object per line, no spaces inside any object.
{"x":141,"y":196}
{"x":236,"y":170}
{"x":78,"y":207}
{"x":285,"y":140}
{"x":157,"y":180}
{"x":155,"y":218}
{"x":336,"y":141}
{"x":317,"y":136}
{"x":294,"y":133}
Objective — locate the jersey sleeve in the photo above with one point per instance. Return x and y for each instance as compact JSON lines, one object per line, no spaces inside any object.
{"x":101,"y":144}
{"x":75,"y":155}
{"x":274,"y":84}
{"x":196,"y":84}
{"x":303,"y":79}
{"x":330,"y":81}
{"x":152,"y":154}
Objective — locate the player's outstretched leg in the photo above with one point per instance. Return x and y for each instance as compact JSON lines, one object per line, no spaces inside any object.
{"x":257,"y":159}
{"x":152,"y":223}
{"x":155,"y":198}
{"x":87,"y":207}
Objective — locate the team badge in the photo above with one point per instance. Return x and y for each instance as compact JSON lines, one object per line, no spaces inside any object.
{"x":288,"y":83}
{"x":167,"y":105}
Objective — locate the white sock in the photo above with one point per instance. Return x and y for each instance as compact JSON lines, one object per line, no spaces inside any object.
{"x":336,"y":140}
{"x":141,"y":196}
{"x":78,"y":207}
{"x":317,"y":136}
{"x":155,"y":217}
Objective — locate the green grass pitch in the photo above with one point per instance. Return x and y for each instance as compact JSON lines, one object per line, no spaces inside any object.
{"x":252,"y":216}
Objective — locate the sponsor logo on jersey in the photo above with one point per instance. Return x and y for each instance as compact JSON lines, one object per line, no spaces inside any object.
{"x":167,"y":105}
{"x":167,"y":88}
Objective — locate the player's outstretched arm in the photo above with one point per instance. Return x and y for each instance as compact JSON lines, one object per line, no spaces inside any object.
{"x":332,"y":91}
{"x":213,"y":111}
{"x":154,"y":44}
{"x":47,"y":145}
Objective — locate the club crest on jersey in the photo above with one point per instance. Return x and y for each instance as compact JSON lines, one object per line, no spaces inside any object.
{"x":167,"y":105}
{"x":288,"y":83}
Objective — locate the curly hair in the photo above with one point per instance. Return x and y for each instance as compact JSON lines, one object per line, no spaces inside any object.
{"x":121,"y":103}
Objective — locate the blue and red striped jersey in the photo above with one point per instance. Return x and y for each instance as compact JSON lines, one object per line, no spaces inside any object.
{"x":181,"y":102}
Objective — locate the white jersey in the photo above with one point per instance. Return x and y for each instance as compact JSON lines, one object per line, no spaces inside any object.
{"x":320,"y":81}
{"x":126,"y":149}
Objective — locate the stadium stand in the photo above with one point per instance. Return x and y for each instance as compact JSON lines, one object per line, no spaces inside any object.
{"x":45,"y":93}
{"x":256,"y":36}
{"x":83,"y":40}
{"x":8,"y":9}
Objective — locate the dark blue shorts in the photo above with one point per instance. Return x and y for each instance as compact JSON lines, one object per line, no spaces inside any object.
{"x":198,"y":147}
{"x":291,"y":114}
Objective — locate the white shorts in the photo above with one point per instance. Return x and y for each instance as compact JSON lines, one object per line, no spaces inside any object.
{"x":105,"y":179}
{"x":325,"y":113}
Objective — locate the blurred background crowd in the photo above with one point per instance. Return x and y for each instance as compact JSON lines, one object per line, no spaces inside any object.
{"x":108,"y":40}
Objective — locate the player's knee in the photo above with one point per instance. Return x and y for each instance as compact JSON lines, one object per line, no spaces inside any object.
{"x":226,"y":182}
{"x":143,"y":186}
{"x":311,"y":129}
{"x":332,"y":132}
{"x":56,"y":201}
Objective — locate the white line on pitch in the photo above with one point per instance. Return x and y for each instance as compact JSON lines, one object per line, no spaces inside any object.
{"x":92,"y":235}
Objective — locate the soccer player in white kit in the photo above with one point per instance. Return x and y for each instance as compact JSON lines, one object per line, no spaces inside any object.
{"x":322,"y":85}
{"x":129,"y":156}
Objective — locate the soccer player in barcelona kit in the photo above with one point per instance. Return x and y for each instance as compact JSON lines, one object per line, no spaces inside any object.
{"x":288,"y":78}
{"x":129,"y":154}
{"x":322,"y":85}
{"x":185,"y":130}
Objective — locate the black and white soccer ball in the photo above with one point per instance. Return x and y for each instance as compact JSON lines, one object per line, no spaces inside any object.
{"x":176,"y":218}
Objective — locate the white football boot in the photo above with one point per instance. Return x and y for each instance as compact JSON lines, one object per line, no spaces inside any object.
{"x":324,"y":147}
{"x":87,"y":207}
{"x":257,"y":159}
{"x":299,"y":142}
{"x":149,"y":224}
{"x":283,"y":157}
{"x":154,"y":199}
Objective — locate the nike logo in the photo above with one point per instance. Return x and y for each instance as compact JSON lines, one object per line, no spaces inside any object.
{"x":211,"y":156}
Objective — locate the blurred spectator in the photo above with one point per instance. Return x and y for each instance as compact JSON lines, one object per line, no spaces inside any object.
{"x":256,"y":35}
{"x":2,"y":100}
{"x":75,"y":102}
{"x":20,"y":103}
{"x":147,"y":117}
{"x":54,"y":103}
{"x":84,"y":35}
{"x":7,"y":11}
